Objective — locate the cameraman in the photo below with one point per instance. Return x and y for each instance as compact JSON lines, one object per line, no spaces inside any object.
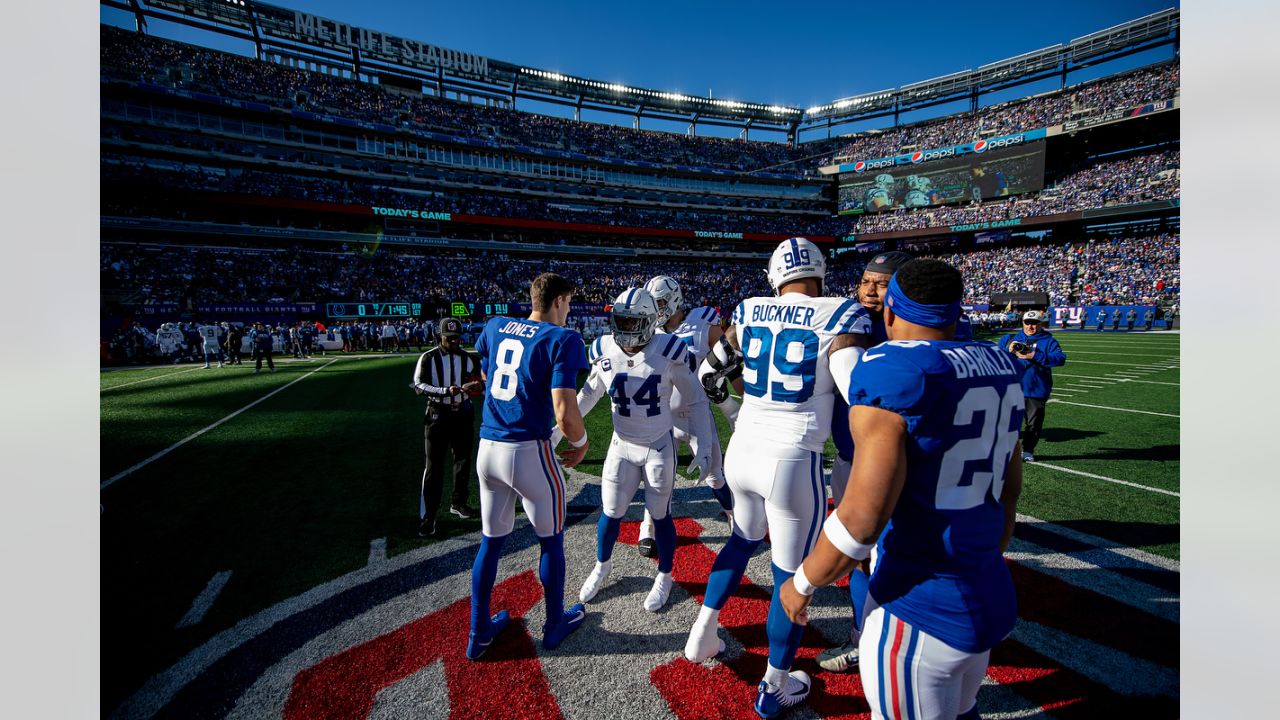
{"x":1039,"y":351}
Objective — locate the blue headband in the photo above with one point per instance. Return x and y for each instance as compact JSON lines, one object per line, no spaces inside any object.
{"x":934,"y":316}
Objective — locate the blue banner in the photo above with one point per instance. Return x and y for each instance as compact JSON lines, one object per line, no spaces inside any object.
{"x":919,"y":156}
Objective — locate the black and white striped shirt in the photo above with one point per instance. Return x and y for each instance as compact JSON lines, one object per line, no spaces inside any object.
{"x":437,"y":370}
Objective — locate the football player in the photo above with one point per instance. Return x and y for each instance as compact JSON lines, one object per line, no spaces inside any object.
{"x":920,"y":192}
{"x":640,"y":374}
{"x":937,"y":469}
{"x":209,"y":336}
{"x":699,"y":329}
{"x":774,"y":464}
{"x":531,"y":368}
{"x":169,"y":340}
{"x":880,"y":195}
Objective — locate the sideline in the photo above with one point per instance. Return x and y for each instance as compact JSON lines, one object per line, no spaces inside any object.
{"x":1059,"y":468}
{"x":153,"y":377}
{"x":1107,"y":407}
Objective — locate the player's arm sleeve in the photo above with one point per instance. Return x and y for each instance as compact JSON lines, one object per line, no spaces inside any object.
{"x":843,"y":356}
{"x":699,"y":421}
{"x":591,"y":392}
{"x":717,"y":366}
{"x":569,"y":357}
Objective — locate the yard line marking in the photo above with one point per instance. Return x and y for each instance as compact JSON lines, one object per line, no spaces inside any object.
{"x":1065,"y":394}
{"x":154,"y":377}
{"x":1059,"y":468}
{"x":377,"y":550}
{"x":128,"y":471}
{"x":1090,"y":378}
{"x":1105,"y":407}
{"x":1150,"y":382}
{"x":1104,"y":362}
{"x":204,"y":600}
{"x":1101,"y":352}
{"x":1141,"y":556}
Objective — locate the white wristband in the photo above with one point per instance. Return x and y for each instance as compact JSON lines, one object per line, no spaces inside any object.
{"x":801,"y":581}
{"x":838,"y":535}
{"x":579,"y":442}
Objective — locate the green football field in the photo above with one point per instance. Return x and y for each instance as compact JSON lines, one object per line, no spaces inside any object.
{"x":290,"y":479}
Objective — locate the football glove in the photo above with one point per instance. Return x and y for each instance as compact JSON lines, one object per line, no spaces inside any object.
{"x":699,"y":465}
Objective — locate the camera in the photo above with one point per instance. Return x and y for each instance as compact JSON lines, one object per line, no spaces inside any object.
{"x":1019,"y":348}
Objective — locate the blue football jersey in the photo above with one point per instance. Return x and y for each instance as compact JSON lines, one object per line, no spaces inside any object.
{"x":940,"y":566}
{"x":523,"y":360}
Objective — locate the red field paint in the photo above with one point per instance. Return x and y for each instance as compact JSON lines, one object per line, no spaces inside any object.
{"x":507,"y":682}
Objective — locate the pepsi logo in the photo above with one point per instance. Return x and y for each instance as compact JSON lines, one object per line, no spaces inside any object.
{"x":860,"y":166}
{"x":917,"y":156}
{"x":980,"y":146}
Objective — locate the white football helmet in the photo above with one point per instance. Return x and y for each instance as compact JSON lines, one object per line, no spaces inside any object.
{"x":633,"y":318}
{"x":666,"y":293}
{"x":884,"y":180}
{"x":919,"y":182}
{"x":795,"y":259}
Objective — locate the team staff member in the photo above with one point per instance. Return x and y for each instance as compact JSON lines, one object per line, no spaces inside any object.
{"x":1039,"y":350}
{"x":261,"y":338}
{"x":442,"y":375}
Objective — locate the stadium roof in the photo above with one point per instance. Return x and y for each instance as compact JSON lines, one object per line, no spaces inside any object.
{"x":281,"y":33}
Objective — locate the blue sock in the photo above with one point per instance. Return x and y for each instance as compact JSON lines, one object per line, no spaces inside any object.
{"x":858,"y":582}
{"x":784,"y":635}
{"x":484,"y":572}
{"x":971,"y":715}
{"x":551,"y":573}
{"x":727,"y":570}
{"x":665,"y":535}
{"x":606,"y":536}
{"x":724,"y":496}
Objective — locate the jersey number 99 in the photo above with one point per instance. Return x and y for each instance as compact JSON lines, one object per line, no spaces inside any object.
{"x":763,"y":354}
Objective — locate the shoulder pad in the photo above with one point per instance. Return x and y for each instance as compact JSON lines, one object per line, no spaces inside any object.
{"x":739,"y":313}
{"x":671,"y":347}
{"x":709,"y":315}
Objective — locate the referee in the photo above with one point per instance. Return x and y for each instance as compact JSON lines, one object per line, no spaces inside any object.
{"x":446,"y":374}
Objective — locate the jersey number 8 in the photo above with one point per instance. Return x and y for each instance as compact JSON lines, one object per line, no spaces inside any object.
{"x":504,"y":382}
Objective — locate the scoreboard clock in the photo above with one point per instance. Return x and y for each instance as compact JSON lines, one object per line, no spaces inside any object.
{"x":467,"y":309}
{"x":373,"y":310}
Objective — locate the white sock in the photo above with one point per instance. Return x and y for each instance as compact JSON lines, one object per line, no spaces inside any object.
{"x":646,"y":527}
{"x":775,"y":677}
{"x":659,"y":593}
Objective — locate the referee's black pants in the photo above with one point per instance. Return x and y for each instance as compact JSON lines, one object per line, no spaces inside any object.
{"x":1032,"y":424}
{"x":444,"y":430}
{"x":258,"y":355}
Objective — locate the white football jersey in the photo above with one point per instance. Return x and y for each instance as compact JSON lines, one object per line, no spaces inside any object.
{"x":786,"y":380}
{"x":210,"y":334}
{"x":169,"y":340}
{"x":695,"y":332}
{"x":639,"y":385}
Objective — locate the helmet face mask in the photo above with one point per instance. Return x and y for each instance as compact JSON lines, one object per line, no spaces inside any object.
{"x":795,"y":259}
{"x":666,"y":295}
{"x":634,"y":318}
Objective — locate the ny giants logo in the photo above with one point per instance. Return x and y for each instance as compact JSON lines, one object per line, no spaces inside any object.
{"x":1068,"y":316}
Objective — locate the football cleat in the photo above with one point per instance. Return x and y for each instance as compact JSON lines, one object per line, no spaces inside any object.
{"x":839,"y":659}
{"x":703,"y":643}
{"x":1028,"y":457}
{"x":477,"y":643}
{"x":771,"y":702}
{"x":595,"y":580}
{"x":658,"y":595}
{"x":648,"y":547}
{"x":572,"y":619}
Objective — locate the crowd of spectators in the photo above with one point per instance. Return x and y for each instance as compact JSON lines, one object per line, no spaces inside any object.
{"x":1121,"y":271}
{"x":132,"y":57}
{"x":1152,"y":176}
{"x":1099,"y":272}
{"x":1075,"y":103}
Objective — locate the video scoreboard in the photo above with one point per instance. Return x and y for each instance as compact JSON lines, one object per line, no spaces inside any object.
{"x":373,"y":310}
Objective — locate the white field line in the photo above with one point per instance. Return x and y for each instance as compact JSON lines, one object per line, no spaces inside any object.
{"x":1090,"y":378}
{"x":1130,"y":365}
{"x":1059,"y":468}
{"x":1102,"y":352}
{"x":1058,"y":394}
{"x":130,"y":470}
{"x":1117,"y":409}
{"x":1141,"y":556}
{"x":153,"y":377}
{"x":1150,"y":382}
{"x":205,"y":599}
{"x":377,"y":550}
